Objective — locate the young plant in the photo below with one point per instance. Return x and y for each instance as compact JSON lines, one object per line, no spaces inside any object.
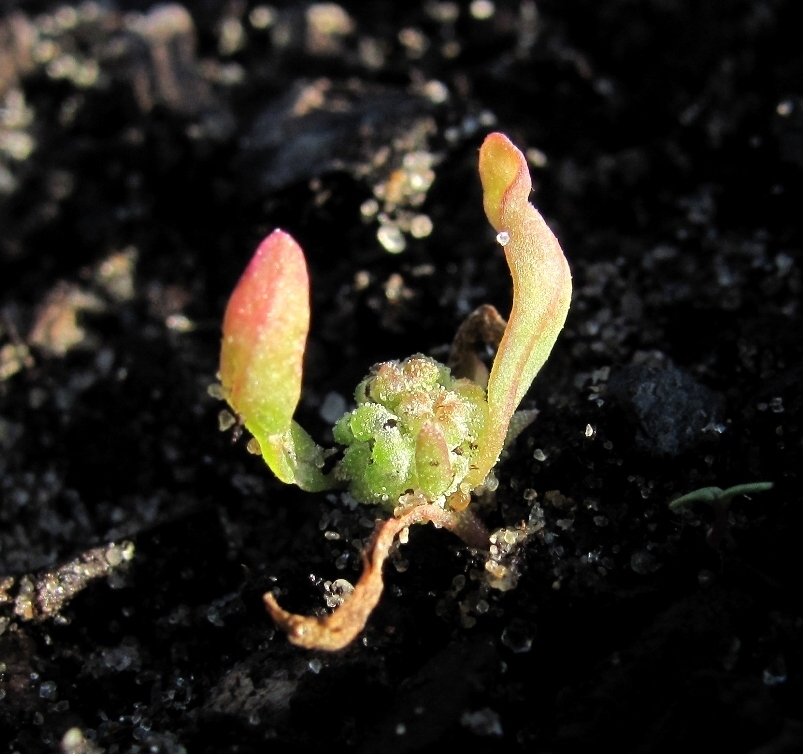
{"x":423,"y":436}
{"x":720,"y":500}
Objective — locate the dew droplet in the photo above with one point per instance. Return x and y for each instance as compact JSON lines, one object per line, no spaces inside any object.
{"x":333,"y":407}
{"x":784,"y":108}
{"x":503,"y":238}
{"x":369,"y":208}
{"x":420,"y":226}
{"x":391,"y":238}
{"x":482,"y":9}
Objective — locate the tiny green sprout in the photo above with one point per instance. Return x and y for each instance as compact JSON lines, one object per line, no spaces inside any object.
{"x":720,"y":501}
{"x":423,"y":436}
{"x":716,"y":497}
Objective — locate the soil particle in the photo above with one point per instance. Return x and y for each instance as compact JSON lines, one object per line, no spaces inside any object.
{"x":666,"y":407}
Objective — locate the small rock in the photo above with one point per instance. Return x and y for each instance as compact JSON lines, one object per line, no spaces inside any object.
{"x":667,"y":408}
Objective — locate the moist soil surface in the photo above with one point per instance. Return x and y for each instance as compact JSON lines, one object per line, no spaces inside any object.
{"x":146,"y":150}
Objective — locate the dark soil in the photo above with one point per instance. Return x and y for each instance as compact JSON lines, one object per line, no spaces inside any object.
{"x":143,"y":155}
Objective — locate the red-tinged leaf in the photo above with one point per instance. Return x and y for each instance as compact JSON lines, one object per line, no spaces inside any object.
{"x":261,"y":358}
{"x":264,"y":335}
{"x":542,"y":290}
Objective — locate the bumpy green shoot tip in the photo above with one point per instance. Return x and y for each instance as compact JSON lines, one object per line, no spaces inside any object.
{"x":415,"y":430}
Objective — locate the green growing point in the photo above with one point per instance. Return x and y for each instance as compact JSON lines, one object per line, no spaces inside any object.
{"x":416,"y":430}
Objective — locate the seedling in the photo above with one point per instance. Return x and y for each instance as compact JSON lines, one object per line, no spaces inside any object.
{"x":423,"y":436}
{"x":720,"y":501}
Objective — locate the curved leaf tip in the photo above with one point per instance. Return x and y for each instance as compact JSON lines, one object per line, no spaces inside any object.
{"x":504,"y":176}
{"x":541,"y":289}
